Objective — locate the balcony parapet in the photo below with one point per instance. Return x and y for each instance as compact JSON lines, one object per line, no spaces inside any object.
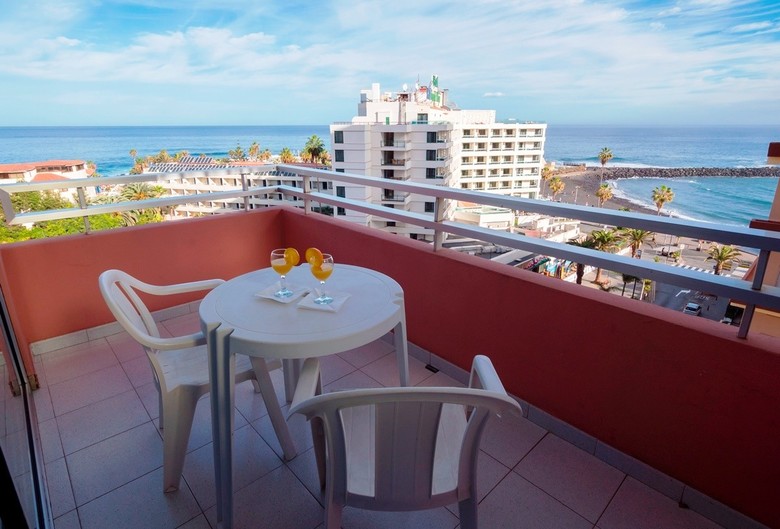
{"x":301,"y":195}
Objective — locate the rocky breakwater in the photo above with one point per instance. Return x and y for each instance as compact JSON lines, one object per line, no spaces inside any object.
{"x":687,"y":172}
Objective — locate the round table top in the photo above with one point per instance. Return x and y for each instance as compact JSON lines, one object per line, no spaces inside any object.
{"x":273,"y":329}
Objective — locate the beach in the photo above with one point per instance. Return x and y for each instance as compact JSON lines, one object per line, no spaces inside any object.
{"x":581,"y":187}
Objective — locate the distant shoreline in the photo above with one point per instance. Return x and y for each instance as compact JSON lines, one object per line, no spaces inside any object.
{"x":587,"y":180}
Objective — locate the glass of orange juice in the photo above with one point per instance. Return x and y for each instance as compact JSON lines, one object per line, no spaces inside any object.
{"x":282,"y":261}
{"x":321,"y":268}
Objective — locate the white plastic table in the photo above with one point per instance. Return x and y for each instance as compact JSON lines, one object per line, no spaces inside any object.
{"x":234,"y":320}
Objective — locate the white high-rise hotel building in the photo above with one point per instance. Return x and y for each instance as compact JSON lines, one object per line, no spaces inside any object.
{"x":414,"y":135}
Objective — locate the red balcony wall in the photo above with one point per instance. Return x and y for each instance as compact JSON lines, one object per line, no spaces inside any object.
{"x":51,"y":285}
{"x":680,"y":393}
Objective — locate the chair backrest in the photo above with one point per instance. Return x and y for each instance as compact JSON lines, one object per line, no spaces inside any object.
{"x":120,"y":292}
{"x":423,"y":441}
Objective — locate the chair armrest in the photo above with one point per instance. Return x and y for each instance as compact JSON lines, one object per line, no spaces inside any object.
{"x":193,"y":286}
{"x":177,"y":342}
{"x":308,"y":384}
{"x":484,"y":376}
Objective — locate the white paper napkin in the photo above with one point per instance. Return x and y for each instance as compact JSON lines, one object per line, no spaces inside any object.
{"x":338,"y":300}
{"x":268,"y":292}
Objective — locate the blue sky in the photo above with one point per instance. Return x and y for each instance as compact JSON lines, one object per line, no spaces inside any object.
{"x":174,"y":62}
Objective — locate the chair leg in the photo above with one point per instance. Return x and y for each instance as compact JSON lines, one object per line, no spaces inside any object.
{"x":274,"y":411}
{"x":468,"y":513}
{"x":318,"y":437}
{"x":180,"y":412}
{"x":333,"y":515}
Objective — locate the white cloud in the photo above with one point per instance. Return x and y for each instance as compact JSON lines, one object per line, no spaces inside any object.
{"x":557,"y":54}
{"x":756,"y":26}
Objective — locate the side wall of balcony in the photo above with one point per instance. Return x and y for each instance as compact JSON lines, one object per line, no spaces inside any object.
{"x":681,"y":394}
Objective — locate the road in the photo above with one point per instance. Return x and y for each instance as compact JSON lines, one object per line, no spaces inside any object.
{"x":675,"y":298}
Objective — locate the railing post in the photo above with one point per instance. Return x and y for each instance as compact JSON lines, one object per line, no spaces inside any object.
{"x":83,"y":205}
{"x":438,"y":216}
{"x":306,"y":183}
{"x":245,"y":187}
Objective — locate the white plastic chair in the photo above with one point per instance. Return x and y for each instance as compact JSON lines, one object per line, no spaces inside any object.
{"x":180,"y":366}
{"x":400,"y":449}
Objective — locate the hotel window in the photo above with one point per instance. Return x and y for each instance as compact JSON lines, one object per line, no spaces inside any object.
{"x":341,"y":211}
{"x":339,"y":155}
{"x":430,"y":155}
{"x":339,"y":170}
{"x":341,"y":191}
{"x":422,"y":118}
{"x":430,"y":172}
{"x":429,"y":207}
{"x":431,"y":137}
{"x":338,"y":136}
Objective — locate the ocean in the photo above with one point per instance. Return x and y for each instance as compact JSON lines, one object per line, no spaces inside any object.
{"x":721,"y":200}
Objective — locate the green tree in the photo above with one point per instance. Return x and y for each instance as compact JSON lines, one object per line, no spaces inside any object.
{"x":604,"y":241}
{"x":556,"y":186}
{"x":722,"y":254}
{"x":603,"y":193}
{"x":313,"y":150}
{"x":546,"y":175}
{"x":605,"y":155}
{"x":237,"y":153}
{"x":254,"y":151}
{"x":635,"y":238}
{"x":662,"y":195}
{"x":265,"y":155}
{"x":141,"y":191}
{"x":587,"y":242}
{"x":286,"y":156}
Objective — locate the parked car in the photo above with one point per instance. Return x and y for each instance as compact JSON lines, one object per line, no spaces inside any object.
{"x":692,"y":308}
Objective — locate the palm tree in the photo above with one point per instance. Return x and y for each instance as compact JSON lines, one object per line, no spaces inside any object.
{"x":133,"y":154}
{"x":603,"y":193}
{"x":265,"y":155}
{"x":604,"y":241}
{"x":662,"y":195}
{"x":546,"y":175}
{"x":556,"y":186}
{"x":286,"y":156}
{"x":313,"y":150}
{"x":237,"y":153}
{"x":253,"y":151}
{"x":582,"y":243}
{"x":722,"y":254}
{"x":140,"y":191}
{"x":635,"y":237}
{"x":605,"y":155}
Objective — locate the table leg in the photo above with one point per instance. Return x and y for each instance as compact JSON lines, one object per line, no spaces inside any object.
{"x":222,"y":376}
{"x":401,"y":352}
{"x":292,"y":372}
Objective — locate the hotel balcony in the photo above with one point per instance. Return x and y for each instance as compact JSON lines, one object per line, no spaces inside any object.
{"x":635,"y":416}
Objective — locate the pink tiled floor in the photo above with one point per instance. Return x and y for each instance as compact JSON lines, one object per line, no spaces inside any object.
{"x":103,"y":455}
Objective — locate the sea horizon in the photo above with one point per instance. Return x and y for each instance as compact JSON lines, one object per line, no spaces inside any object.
{"x":708,"y":146}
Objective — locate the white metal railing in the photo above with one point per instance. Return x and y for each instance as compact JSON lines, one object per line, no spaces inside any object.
{"x":752,"y":294}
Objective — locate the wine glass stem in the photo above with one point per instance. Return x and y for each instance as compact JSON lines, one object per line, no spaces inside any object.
{"x":283,"y":282}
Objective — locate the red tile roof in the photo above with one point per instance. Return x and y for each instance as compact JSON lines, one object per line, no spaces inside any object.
{"x":48,"y":177}
{"x":29,"y":166}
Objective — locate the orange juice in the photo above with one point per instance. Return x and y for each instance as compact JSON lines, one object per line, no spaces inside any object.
{"x":323,"y":271}
{"x":281,"y":266}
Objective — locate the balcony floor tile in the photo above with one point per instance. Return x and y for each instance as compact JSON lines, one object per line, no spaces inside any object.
{"x":638,"y":506}
{"x":112,"y":464}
